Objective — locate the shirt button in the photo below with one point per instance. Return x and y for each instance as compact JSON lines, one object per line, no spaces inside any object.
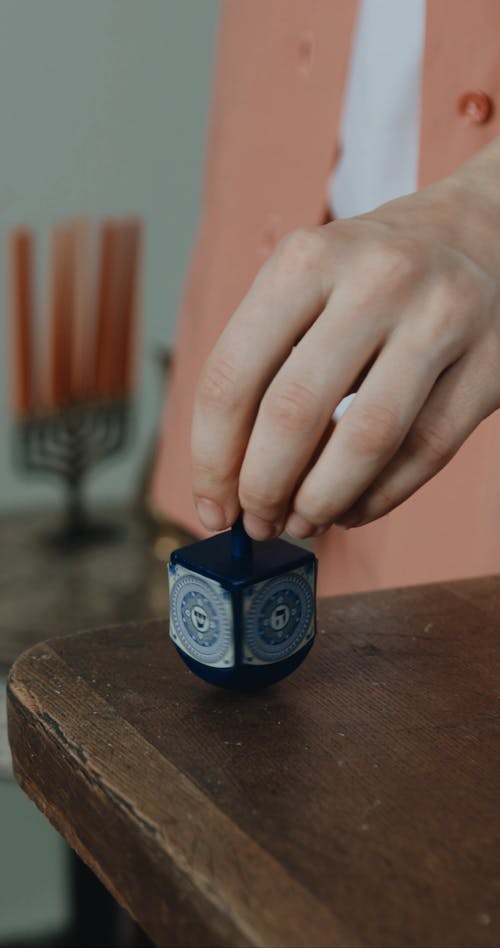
{"x":476,"y":106}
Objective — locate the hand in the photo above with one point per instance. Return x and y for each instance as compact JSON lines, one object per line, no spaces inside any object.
{"x":401,"y":305}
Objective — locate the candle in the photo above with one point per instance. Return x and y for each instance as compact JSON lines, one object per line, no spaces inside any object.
{"x":127,"y":346}
{"x":117,"y":307}
{"x":57,"y":388}
{"x":107,"y":307}
{"x":80,"y":311}
{"x":21,"y":252}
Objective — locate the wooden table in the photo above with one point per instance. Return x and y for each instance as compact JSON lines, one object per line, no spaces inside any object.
{"x":42,"y":588}
{"x":356,"y":803}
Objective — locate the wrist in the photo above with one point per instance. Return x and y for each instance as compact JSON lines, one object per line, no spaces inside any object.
{"x":471,"y":197}
{"x":462,"y":210}
{"x":479,"y":177}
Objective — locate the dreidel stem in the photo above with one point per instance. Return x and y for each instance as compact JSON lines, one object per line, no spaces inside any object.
{"x":241,"y":543}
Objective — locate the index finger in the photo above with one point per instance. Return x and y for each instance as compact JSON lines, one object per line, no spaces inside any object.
{"x":285,"y":298}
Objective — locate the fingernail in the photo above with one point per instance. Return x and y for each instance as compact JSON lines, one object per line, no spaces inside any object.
{"x":299,"y":527}
{"x":211,"y":514}
{"x":258,"y":528}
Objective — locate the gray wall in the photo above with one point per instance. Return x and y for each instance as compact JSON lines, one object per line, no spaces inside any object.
{"x":103,"y":109}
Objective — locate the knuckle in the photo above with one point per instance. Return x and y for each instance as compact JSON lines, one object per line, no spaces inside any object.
{"x":439,"y":334}
{"x":374,"y":429}
{"x":218,"y":384}
{"x":314,"y":511}
{"x":396,"y":261}
{"x":301,"y":250}
{"x":434,"y":442}
{"x":454,"y":299}
{"x":257,"y":499}
{"x":212,"y":481}
{"x":203,"y":472}
{"x":388,"y":266}
{"x":313,"y":505}
{"x":292,"y":407}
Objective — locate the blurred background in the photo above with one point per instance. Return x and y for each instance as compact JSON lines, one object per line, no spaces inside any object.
{"x":103,"y":111}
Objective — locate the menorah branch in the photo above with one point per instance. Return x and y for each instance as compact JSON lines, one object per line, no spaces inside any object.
{"x":69,"y":444}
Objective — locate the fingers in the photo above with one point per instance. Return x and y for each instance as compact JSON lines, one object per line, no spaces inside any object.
{"x":460,"y":400}
{"x":396,"y":319}
{"x":369,"y":434}
{"x":284,"y":300}
{"x":297,"y":408}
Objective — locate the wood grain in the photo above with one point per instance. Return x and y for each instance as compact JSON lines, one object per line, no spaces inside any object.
{"x":354,"y":804}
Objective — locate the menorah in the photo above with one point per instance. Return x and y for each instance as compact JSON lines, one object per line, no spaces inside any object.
{"x":72,"y":382}
{"x":69,"y":445}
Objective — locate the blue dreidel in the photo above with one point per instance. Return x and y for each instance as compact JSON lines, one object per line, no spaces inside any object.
{"x":242,"y":613}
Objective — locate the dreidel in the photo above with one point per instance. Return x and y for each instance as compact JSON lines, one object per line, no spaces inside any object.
{"x":242,"y":612}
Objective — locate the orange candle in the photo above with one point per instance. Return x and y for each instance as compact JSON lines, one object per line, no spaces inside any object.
{"x":127,"y":335}
{"x":80,"y":312}
{"x":21,"y":252}
{"x":59,"y":328}
{"x":107,"y":306}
